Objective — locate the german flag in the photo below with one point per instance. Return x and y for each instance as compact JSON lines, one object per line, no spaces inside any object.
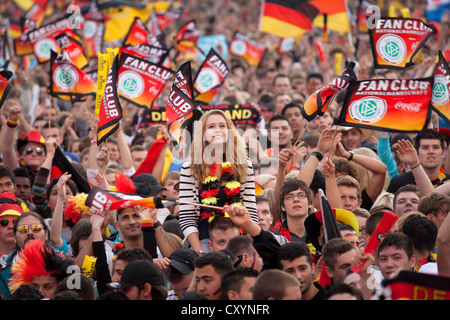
{"x":288,"y":18}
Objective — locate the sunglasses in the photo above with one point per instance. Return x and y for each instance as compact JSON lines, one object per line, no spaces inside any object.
{"x":34,"y":227}
{"x":39,"y":151}
{"x":5,"y":222}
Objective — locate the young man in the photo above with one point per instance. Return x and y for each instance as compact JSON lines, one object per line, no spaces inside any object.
{"x":242,"y":246}
{"x":265,"y":216}
{"x":338,"y":255}
{"x":295,"y":206}
{"x":349,"y":191}
{"x":280,"y":134}
{"x":281,"y":84}
{"x":180,"y":271}
{"x":210,"y":269}
{"x":295,"y":259}
{"x":238,"y":284}
{"x":430,"y":147}
{"x":435,"y":206}
{"x":406,"y":199}
{"x":221,"y":230}
{"x":141,"y":280}
{"x":352,"y":138}
{"x":292,"y":111}
{"x":275,"y":284}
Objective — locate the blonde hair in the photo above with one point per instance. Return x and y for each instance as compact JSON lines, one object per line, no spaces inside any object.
{"x":364,"y":174}
{"x":384,"y":199}
{"x":265,"y":178}
{"x":235,"y":148}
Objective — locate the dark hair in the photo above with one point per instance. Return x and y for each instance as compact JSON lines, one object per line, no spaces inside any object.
{"x":37,"y":216}
{"x":260,"y":198}
{"x":235,"y":279}
{"x":27,"y":292}
{"x":293,"y":250}
{"x":86,"y":290}
{"x":315,"y":75}
{"x":406,"y":188}
{"x":83,"y":228}
{"x":22,"y":172}
{"x":221,"y":263}
{"x":292,"y":185}
{"x":221,"y":223}
{"x":433,"y":203}
{"x":241,"y":244}
{"x":291,"y":105}
{"x":7,"y":172}
{"x":342,"y":288}
{"x":112,"y":295}
{"x":276,"y":118}
{"x":70,"y":183}
{"x":334,"y":248}
{"x":429,"y":134}
{"x":399,"y":241}
{"x":422,"y":232}
{"x":133,"y":254}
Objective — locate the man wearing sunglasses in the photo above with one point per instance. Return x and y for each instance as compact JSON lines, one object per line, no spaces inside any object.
{"x":9,"y":212}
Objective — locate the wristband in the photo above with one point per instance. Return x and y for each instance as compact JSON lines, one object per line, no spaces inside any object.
{"x":350,"y":157}
{"x":318,"y":155}
{"x":147,"y":223}
{"x":12,"y":124}
{"x":295,"y":168}
{"x":415,"y":166}
{"x":157,"y":224}
{"x":93,"y":141}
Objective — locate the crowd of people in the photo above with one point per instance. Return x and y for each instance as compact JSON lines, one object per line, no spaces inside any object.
{"x":244,"y":215}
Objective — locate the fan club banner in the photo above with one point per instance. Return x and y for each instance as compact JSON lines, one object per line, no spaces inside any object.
{"x":183,"y":79}
{"x":239,"y":114}
{"x":210,"y":77}
{"x":385,"y":104}
{"x":395,"y":41}
{"x":73,"y":50}
{"x":319,"y":101}
{"x":440,"y":99}
{"x":110,"y":111}
{"x":139,"y":34}
{"x":156,"y":55}
{"x":69,"y":80}
{"x":140,"y":81}
{"x":247,"y":48}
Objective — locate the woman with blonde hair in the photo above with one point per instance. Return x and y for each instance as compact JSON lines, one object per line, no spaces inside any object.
{"x":218,"y":172}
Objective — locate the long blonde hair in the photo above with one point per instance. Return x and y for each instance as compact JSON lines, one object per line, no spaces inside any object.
{"x":235,"y":148}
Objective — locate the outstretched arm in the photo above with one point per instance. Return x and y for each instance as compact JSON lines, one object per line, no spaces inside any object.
{"x":57,"y":219}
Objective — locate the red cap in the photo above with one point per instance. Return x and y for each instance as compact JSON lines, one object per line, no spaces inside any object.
{"x":9,"y":205}
{"x":32,"y":136}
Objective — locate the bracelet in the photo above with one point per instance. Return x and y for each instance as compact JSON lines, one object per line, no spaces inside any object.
{"x":157,"y":224}
{"x":350,"y":157}
{"x":295,"y":168}
{"x":93,"y":142}
{"x":317,"y":154}
{"x":12,"y":124}
{"x":415,"y":166}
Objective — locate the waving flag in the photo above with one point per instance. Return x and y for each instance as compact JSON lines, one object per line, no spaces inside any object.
{"x":440,"y":97}
{"x":186,"y":39}
{"x":69,"y":80}
{"x":110,"y":110}
{"x":153,"y":54}
{"x":383,"y":104}
{"x":73,"y":50}
{"x":395,"y":41}
{"x":319,"y":101}
{"x":140,"y":81}
{"x":287,"y":19}
{"x":93,"y":36}
{"x":336,"y":14}
{"x":247,"y":48}
{"x":183,"y":79}
{"x":138,"y":34}
{"x":5,"y":86}
{"x":210,"y":77}
{"x":106,"y":200}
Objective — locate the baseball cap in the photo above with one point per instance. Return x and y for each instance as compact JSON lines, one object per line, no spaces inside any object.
{"x":147,"y":185}
{"x":138,"y":272}
{"x":9,"y":205}
{"x":183,"y":260}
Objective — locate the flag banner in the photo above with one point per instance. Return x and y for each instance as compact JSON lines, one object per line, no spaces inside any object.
{"x":119,"y":16}
{"x":153,"y":54}
{"x":93,"y":33}
{"x":362,"y":15}
{"x":150,"y":117}
{"x":336,"y":13}
{"x":210,"y":77}
{"x":183,"y":79}
{"x":317,"y":103}
{"x":385,"y":224}
{"x":395,"y":41}
{"x":140,"y":81}
{"x":440,"y":97}
{"x":106,"y":200}
{"x":409,"y":285}
{"x":73,"y":50}
{"x":154,"y":28}
{"x":217,"y":42}
{"x":15,"y":29}
{"x":170,"y":15}
{"x":67,"y":79}
{"x":247,"y":48}
{"x":5,"y":86}
{"x":61,"y":164}
{"x":43,"y":39}
{"x":383,"y":104}
{"x":186,"y":38}
{"x":110,"y":110}
{"x":36,"y":13}
{"x":138,"y":34}
{"x":181,"y":112}
{"x":238,"y":113}
{"x":287,"y":19}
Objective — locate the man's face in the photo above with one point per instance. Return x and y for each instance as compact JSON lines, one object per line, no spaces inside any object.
{"x":170,"y":193}
{"x":405,"y":202}
{"x":265,"y":217}
{"x":280,"y":102}
{"x":349,"y":198}
{"x":46,"y":285}
{"x":48,"y":133}
{"x":23,"y":238}
{"x":282,"y":130}
{"x":439,"y":218}
{"x":6,"y":185}
{"x":301,"y":270}
{"x":430,"y":153}
{"x":296,"y":204}
{"x":392,"y":259}
{"x":295,"y":118}
{"x":113,"y":151}
{"x":181,"y":286}
{"x":129,"y":223}
{"x":23,"y":188}
{"x":246,"y":290}
{"x":33,"y":155}
{"x":313,"y":84}
{"x":323,"y":122}
{"x":119,"y":265}
{"x":138,"y":157}
{"x":7,"y":233}
{"x":351,"y":236}
{"x":351,"y":139}
{"x":282,"y":85}
{"x":208,"y":282}
{"x":343,"y":262}
{"x":219,"y":238}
